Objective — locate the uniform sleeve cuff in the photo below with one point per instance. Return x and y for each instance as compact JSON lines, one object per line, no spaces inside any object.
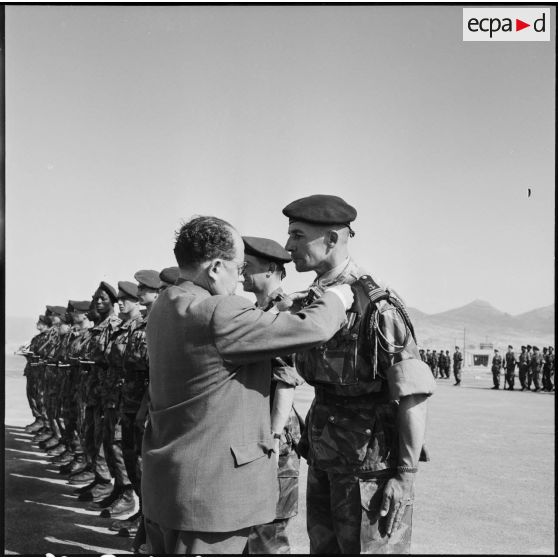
{"x":409,"y":377}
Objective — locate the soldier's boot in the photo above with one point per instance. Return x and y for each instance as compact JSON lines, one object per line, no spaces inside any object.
{"x":50,"y":443}
{"x":76,"y":465}
{"x":64,"y":458}
{"x":35,"y":426}
{"x":42,"y":436}
{"x":57,"y":450}
{"x":99,"y":491}
{"x":86,"y":476}
{"x":123,"y":505}
{"x":126,"y":527}
{"x":108,"y":500}
{"x":87,"y":487}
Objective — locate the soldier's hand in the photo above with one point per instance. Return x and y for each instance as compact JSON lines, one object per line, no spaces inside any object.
{"x":287,"y":301}
{"x":398,"y":494}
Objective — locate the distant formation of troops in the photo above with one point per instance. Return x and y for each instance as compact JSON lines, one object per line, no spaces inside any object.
{"x":535,"y":368}
{"x":441,"y":362}
{"x":87,"y":375}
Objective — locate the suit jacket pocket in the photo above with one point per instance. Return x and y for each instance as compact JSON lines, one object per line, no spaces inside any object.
{"x":246,"y":453}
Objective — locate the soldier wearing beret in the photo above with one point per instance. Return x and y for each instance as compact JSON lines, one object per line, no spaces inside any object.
{"x":133,"y":404}
{"x":509,"y":364}
{"x":77,"y":310}
{"x":365,"y":429}
{"x":94,"y":366}
{"x":496,"y":369}
{"x":265,"y":269}
{"x":523,"y":365}
{"x":448,"y":364}
{"x":535,"y":366}
{"x":120,"y":500}
{"x":434,"y":363}
{"x":168,"y":276}
{"x":32,"y":377}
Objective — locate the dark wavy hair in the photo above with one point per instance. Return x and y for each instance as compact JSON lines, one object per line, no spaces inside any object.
{"x":203,"y":238}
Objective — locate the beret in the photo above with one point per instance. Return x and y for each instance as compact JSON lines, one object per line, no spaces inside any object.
{"x":109,"y":289}
{"x":510,"y":347}
{"x":127,"y":289}
{"x":523,"y":347}
{"x":148,"y":278}
{"x":265,"y":248}
{"x":321,"y":209}
{"x":535,"y":348}
{"x":529,"y":347}
{"x":81,"y":306}
{"x":169,"y":275}
{"x":56,"y":310}
{"x":43,"y":319}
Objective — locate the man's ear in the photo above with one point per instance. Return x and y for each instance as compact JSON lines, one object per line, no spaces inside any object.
{"x":214,"y":269}
{"x":272,"y":268}
{"x":332,"y":238}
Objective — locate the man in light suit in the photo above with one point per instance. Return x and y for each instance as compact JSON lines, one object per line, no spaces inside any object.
{"x":209,"y":474}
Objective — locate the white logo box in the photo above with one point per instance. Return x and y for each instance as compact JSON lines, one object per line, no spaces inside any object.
{"x":505,"y":24}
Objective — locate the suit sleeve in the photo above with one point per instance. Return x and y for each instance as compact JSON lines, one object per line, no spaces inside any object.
{"x":244,"y":333}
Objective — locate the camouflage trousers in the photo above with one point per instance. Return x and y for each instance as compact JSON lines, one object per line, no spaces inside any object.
{"x":31,"y":391}
{"x":547,"y":377}
{"x":510,"y":378}
{"x":534,"y":375}
{"x":496,"y":378}
{"x":270,"y":538}
{"x":343,"y":516}
{"x":523,"y":372}
{"x":457,"y":373}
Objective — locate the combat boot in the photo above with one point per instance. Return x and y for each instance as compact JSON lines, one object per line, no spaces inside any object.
{"x":65,"y":457}
{"x":56,"y":450}
{"x":34,"y":427}
{"x":122,"y":524}
{"x":77,"y":465}
{"x":50,"y":443}
{"x":42,"y":436}
{"x":82,"y":478}
{"x":131,"y":526}
{"x":106,"y":502}
{"x":96,"y":493}
{"x":123,"y":505}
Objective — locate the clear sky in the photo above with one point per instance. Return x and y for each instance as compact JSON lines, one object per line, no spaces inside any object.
{"x":122,"y":121}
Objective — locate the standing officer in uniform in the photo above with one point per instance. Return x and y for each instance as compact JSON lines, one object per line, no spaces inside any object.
{"x":434,"y":364}
{"x":365,"y":430}
{"x":448,"y":364}
{"x":441,"y":364}
{"x":265,"y":269}
{"x":509,"y":363}
{"x":496,"y":369}
{"x":523,"y":365}
{"x":535,"y":366}
{"x":422,"y":355}
{"x":457,"y":362}
{"x":529,"y":370}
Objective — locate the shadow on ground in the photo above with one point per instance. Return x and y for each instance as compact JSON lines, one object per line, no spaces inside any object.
{"x":42,"y":513}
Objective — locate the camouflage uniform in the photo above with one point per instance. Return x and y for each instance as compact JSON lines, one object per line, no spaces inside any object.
{"x":271,"y":538}
{"x":94,"y":364}
{"x":457,"y":362}
{"x":441,"y":364}
{"x":535,"y":366}
{"x":111,"y":396}
{"x":351,"y":439}
{"x":38,"y":371}
{"x":31,"y":376}
{"x":509,"y":363}
{"x":496,"y":369}
{"x":434,"y":364}
{"x":136,"y":381}
{"x":523,"y":364}
{"x":49,"y":375}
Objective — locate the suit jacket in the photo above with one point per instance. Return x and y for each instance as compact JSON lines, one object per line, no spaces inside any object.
{"x":206,"y":449}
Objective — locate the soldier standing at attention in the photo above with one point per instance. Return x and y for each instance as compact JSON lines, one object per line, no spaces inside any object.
{"x":546,"y":383}
{"x":529,"y":371}
{"x":457,"y":362}
{"x":441,"y":364}
{"x":123,"y":502}
{"x":434,"y":364}
{"x":265,"y":260}
{"x":94,"y":366}
{"x":365,"y":429}
{"x":535,"y":366}
{"x":496,"y":368}
{"x":523,"y":365}
{"x":510,"y":363}
{"x":134,"y":402}
{"x":31,"y":378}
{"x":448,"y":364}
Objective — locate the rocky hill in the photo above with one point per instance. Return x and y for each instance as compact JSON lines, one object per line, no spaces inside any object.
{"x":484,"y":323}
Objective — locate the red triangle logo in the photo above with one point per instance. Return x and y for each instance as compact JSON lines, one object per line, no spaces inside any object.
{"x":519,"y":25}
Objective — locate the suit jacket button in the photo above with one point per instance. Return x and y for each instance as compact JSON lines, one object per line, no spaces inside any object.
{"x":368,"y":431}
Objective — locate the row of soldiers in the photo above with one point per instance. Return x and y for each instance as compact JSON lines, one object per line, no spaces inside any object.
{"x":535,"y":368}
{"x":87,"y":374}
{"x":440,"y":363}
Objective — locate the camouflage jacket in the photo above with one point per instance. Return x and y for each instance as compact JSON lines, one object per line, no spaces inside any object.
{"x":536,"y":362}
{"x":510,"y":360}
{"x":48,"y":350}
{"x":118,"y":342}
{"x":524,"y":359}
{"x":351,"y":426}
{"x":135,"y":353}
{"x":457,"y":359}
{"x":99,"y":339}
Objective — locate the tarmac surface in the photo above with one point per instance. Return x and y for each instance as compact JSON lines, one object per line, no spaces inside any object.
{"x":488,"y":489}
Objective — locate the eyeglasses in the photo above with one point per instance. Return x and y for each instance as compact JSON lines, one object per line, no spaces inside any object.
{"x":240,"y":268}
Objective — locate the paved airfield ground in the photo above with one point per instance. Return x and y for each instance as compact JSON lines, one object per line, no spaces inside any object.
{"x":489,"y":488}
